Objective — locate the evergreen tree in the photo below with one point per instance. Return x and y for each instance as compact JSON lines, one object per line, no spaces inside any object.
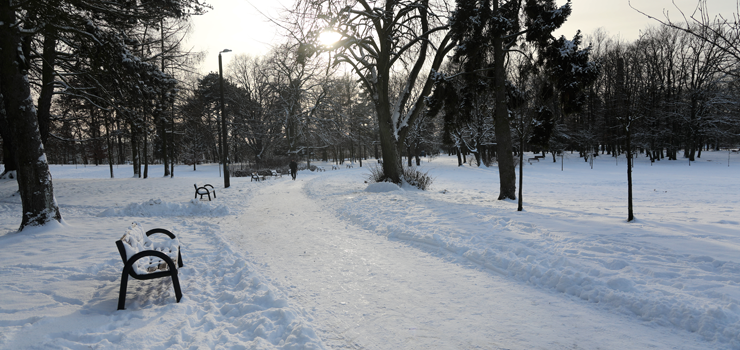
{"x":485,"y":32}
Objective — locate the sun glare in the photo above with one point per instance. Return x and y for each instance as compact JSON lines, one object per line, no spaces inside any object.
{"x":328,"y":38}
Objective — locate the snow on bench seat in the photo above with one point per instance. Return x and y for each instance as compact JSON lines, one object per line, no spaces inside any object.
{"x":145,"y":259}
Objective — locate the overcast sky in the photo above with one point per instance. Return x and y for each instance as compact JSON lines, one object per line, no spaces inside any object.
{"x":239,"y":26}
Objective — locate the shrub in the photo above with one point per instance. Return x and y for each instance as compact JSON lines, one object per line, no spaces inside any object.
{"x":417,"y":179}
{"x":412,"y":176}
{"x":376,"y":174}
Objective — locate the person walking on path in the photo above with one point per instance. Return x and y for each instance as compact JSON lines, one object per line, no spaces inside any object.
{"x":293,"y":168}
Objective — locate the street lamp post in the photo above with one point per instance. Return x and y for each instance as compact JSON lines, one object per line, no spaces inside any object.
{"x":224,"y":144}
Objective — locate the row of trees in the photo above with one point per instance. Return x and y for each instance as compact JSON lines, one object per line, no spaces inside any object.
{"x":277,"y":107}
{"x":486,"y":78}
{"x":677,"y":91}
{"x":81,"y":55}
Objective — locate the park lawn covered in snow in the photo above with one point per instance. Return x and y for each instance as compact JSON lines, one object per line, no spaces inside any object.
{"x":260,"y":271}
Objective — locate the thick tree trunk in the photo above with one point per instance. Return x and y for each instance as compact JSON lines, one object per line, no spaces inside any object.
{"x":8,"y":155}
{"x":507,"y":176}
{"x":20,"y":119}
{"x":388,"y":147}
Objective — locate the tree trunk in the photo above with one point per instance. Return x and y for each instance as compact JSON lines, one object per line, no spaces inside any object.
{"x":20,"y":119}
{"x":308,"y":158}
{"x":8,"y":155}
{"x":507,"y":176}
{"x":172,"y":143}
{"x":47,"y":84}
{"x":135,"y":150}
{"x":146,"y":149}
{"x":161,"y":115}
{"x":520,"y":205}
{"x":119,"y":139}
{"x":408,"y":156}
{"x":388,"y":146}
{"x":630,"y":215}
{"x":110,"y":146}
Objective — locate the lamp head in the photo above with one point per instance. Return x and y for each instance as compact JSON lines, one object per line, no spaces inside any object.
{"x":224,"y":51}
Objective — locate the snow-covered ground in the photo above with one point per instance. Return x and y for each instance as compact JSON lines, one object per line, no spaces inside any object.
{"x":329,"y":261}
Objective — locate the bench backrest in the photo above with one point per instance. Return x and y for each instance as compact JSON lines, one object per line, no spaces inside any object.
{"x":136,"y":240}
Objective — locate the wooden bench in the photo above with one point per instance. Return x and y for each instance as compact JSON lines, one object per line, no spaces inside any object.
{"x":144,"y":259}
{"x":535,"y":159}
{"x":256,"y":177}
{"x":334,"y":167}
{"x":204,"y":191}
{"x":276,"y":173}
{"x":349,"y":166}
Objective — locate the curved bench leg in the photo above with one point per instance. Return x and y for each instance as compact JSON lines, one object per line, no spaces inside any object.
{"x":176,"y":284}
{"x":122,"y":293}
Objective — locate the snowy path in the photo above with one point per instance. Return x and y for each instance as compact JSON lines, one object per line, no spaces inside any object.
{"x":368,"y":292}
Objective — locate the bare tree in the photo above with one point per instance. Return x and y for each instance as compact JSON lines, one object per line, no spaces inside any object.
{"x":379,"y":40}
{"x":720,"y":31}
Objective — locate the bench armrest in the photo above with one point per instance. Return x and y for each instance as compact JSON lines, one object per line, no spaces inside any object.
{"x":129,"y":266}
{"x":160,"y":230}
{"x":172,"y":236}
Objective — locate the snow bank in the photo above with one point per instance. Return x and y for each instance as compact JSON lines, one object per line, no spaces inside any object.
{"x":665,"y":272}
{"x":157,"y":207}
{"x":59,"y":284}
{"x":226,"y":302}
{"x":379,"y":187}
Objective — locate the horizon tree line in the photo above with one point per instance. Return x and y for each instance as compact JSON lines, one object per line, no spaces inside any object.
{"x":113,"y":85}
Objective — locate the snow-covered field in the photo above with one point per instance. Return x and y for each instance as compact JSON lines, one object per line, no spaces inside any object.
{"x":329,"y":261}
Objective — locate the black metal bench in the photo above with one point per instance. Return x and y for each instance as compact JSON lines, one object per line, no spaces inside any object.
{"x":204,"y":191}
{"x":144,"y":259}
{"x":256,"y":177}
